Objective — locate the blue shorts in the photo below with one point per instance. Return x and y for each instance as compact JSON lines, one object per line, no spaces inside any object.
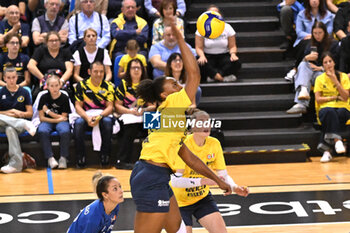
{"x":150,"y":187}
{"x":199,"y":209}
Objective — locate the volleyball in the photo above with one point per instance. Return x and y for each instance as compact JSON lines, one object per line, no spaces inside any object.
{"x":210,"y":24}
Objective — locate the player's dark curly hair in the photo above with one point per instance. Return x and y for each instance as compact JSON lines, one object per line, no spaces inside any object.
{"x":150,"y":90}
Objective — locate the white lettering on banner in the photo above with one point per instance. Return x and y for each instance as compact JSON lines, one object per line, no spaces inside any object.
{"x":61,"y":216}
{"x":229,"y":209}
{"x":325,"y":207}
{"x":5,"y":218}
{"x":296,"y":208}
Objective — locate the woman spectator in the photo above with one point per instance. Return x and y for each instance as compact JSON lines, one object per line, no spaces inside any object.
{"x":331,"y":94}
{"x":315,"y":10}
{"x":217,"y":58}
{"x":53,"y":113}
{"x":127,"y":103}
{"x":167,"y":11}
{"x":51,"y":57}
{"x":17,"y":59}
{"x":83,"y":57}
{"x":311,"y":66}
{"x":175,"y":68}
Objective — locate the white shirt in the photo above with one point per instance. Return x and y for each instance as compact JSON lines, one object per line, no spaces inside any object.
{"x":91,"y":57}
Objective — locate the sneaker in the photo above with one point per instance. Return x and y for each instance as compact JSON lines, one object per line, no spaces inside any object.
{"x":8,"y":169}
{"x":230,"y":78}
{"x":81,"y":162}
{"x":286,"y":44}
{"x":52,"y":163}
{"x":210,"y":80}
{"x":62,"y":163}
{"x":104,"y":160}
{"x":31,"y":129}
{"x":290,"y":75}
{"x":304,"y":94}
{"x":326,"y":157}
{"x":339,"y":147}
{"x":296,"y":109}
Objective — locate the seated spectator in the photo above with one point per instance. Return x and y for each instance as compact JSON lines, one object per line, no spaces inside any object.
{"x":334,"y":5}
{"x":311,"y":66}
{"x":21,"y":5}
{"x":37,"y":8}
{"x":344,"y":59}
{"x":90,"y":53}
{"x":101,"y":6}
{"x":128,"y":105}
{"x":17,"y":60}
{"x":53,"y":113}
{"x":128,"y":26}
{"x":289,"y":10}
{"x":132,"y":48}
{"x":94,"y":103}
{"x":153,"y":8}
{"x":167,"y":12}
{"x":13,"y":26}
{"x":342,"y":17}
{"x":48,"y":58}
{"x":160,"y":52}
{"x":115,"y":6}
{"x":175,"y":68}
{"x":331,"y":95}
{"x":15,"y":108}
{"x":315,"y":10}
{"x":88,"y":18}
{"x":218,"y":58}
{"x":50,"y":21}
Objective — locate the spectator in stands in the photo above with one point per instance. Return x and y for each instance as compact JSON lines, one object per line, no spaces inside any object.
{"x":94,"y":103}
{"x":334,"y":5}
{"x":20,"y":3}
{"x":101,"y":6}
{"x":175,"y":68}
{"x":341,"y":20}
{"x":132,"y":48}
{"x":13,"y":26}
{"x":17,"y":60}
{"x":311,"y":66}
{"x":331,"y":94}
{"x":53,"y":113}
{"x":50,"y":21}
{"x":127,"y":104}
{"x":315,"y":10}
{"x":128,"y":26}
{"x":153,"y":8}
{"x":51,"y":57}
{"x":15,"y":108}
{"x":115,"y":6}
{"x":218,"y":58}
{"x":88,"y":54}
{"x":89,"y":18}
{"x":289,"y":10}
{"x":344,"y":60}
{"x":167,"y":12}
{"x":160,"y":52}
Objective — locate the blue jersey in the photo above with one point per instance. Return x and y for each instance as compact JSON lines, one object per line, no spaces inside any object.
{"x":93,"y":219}
{"x":17,"y":100}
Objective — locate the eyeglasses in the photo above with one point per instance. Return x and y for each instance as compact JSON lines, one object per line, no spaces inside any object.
{"x":54,"y":41}
{"x":14,"y":43}
{"x":135,"y":68}
{"x":86,"y":1}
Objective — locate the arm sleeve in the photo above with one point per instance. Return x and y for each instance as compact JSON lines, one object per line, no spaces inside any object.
{"x":181,"y":7}
{"x":41,"y":102}
{"x":150,"y":9}
{"x":106,"y":33}
{"x":36,"y":25}
{"x":178,"y":181}
{"x":71,"y":31}
{"x":227,"y":178}
{"x":66,"y":107}
{"x":299,"y":28}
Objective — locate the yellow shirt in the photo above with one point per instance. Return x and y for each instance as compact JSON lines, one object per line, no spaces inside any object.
{"x":337,"y":2}
{"x":126,"y":58}
{"x":324,"y":85}
{"x":211,"y":154}
{"x":162,"y":146}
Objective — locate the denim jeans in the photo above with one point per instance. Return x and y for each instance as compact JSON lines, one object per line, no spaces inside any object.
{"x":80,"y":126}
{"x":63,"y":129}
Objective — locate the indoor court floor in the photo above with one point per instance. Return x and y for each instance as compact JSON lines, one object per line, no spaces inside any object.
{"x":290,"y":197}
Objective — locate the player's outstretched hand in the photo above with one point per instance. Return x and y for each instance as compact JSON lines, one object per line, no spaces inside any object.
{"x":226,"y":187}
{"x":241,"y":191}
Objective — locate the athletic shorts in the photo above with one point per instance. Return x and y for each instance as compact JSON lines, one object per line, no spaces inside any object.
{"x":199,"y":209}
{"x":150,"y":187}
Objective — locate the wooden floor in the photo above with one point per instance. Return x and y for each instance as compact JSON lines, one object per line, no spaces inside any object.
{"x":72,"y":184}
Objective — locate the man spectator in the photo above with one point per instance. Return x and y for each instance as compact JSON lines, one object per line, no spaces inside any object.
{"x":94,"y":103}
{"x":20,"y":3}
{"x":15,"y":108}
{"x":160,"y":52}
{"x":341,"y":20}
{"x":89,"y":18}
{"x":152,"y":7}
{"x":13,"y":26}
{"x":50,"y":21}
{"x":128,"y":26}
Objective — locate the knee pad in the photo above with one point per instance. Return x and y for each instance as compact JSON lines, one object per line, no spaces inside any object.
{"x":182,"y":228}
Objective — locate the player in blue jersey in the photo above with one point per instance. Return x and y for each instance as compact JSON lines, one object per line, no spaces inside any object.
{"x":100,"y":215}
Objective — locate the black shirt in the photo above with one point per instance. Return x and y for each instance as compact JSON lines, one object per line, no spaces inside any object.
{"x":58,"y":106}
